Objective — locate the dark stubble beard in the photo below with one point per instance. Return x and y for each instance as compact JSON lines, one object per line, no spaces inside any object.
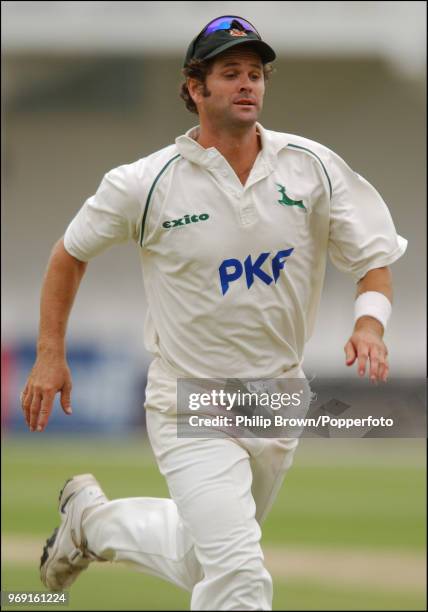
{"x":233,"y":123}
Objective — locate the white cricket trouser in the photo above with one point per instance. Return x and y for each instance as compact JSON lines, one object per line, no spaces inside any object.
{"x":206,"y":538}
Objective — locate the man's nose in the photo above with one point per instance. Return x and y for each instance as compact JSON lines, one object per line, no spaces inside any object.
{"x":246,"y":83}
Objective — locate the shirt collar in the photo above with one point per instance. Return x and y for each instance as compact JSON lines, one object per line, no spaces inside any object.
{"x":272,"y":143}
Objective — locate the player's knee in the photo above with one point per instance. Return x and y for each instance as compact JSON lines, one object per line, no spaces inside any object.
{"x":252,"y":573}
{"x":248,"y":580}
{"x":243,"y":586}
{"x":243,"y":557}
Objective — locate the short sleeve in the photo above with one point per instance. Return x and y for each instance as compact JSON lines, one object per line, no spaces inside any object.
{"x":109,"y":217}
{"x":362,"y":235}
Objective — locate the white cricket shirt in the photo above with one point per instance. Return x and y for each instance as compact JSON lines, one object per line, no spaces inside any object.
{"x":233,"y":274}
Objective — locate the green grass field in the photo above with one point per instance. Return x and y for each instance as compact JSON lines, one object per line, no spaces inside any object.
{"x":351,"y":498}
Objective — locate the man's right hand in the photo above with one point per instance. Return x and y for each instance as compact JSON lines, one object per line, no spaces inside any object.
{"x":49,"y":376}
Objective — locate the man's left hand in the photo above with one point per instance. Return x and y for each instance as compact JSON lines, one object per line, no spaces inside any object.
{"x":366,"y":344}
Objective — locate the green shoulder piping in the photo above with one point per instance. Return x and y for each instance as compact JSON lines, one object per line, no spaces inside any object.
{"x":143,"y":223}
{"x":315,"y":155}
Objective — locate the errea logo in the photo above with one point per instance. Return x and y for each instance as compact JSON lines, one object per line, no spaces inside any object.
{"x":185,"y":220}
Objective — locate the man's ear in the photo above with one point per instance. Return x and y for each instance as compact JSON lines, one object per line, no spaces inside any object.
{"x":195,"y":88}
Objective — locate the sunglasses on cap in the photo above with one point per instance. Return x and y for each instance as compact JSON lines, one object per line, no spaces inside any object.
{"x":227,"y":22}
{"x":224,"y":32}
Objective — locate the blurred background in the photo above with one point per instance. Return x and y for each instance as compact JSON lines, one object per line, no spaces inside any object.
{"x":88,"y":86}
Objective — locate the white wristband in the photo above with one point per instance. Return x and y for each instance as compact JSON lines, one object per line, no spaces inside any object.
{"x":373,"y":304}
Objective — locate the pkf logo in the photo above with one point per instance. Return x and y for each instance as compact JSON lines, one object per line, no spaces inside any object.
{"x":232,"y":269}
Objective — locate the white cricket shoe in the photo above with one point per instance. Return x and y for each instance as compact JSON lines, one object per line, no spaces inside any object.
{"x":65,"y":553}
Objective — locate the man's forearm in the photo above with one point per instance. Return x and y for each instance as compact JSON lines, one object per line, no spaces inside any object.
{"x":366,"y":341}
{"x":50,"y":374}
{"x":60,"y":285}
{"x":379,"y":279}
